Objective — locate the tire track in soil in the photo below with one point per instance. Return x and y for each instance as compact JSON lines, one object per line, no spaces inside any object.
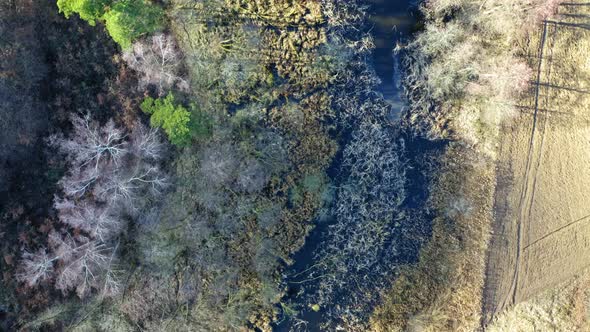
{"x":517,"y":232}
{"x":525,"y":201}
{"x":575,"y":222}
{"x":543,"y":126}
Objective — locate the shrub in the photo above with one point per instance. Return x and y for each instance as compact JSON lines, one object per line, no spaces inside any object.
{"x":201,"y":124}
{"x":174,"y":119}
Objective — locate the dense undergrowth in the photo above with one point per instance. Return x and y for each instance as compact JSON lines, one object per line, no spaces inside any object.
{"x":256,"y":100}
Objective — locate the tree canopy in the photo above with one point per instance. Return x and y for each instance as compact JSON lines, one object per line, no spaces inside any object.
{"x":129,"y":19}
{"x":125,"y":20}
{"x":174,"y":119}
{"x":89,"y":10}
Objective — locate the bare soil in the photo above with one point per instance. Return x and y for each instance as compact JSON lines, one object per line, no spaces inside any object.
{"x":542,"y":202}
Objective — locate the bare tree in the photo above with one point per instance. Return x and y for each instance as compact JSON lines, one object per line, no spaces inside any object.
{"x":112,"y":282}
{"x":83,"y":270}
{"x":252,"y":176}
{"x":125,"y":186}
{"x":84,"y":264}
{"x":35,"y":267}
{"x":98,"y":222}
{"x":219,"y":163}
{"x":108,"y":170}
{"x":146,"y":143}
{"x":79,"y":181}
{"x":91,"y":144}
{"x":101,"y":159}
{"x":158,"y":61}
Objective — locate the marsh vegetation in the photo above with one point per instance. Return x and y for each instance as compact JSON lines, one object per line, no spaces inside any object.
{"x":234,"y":165}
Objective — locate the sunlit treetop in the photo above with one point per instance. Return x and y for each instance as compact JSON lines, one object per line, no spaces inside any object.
{"x":125,"y":20}
{"x":89,"y":10}
{"x":174,"y":119}
{"x":129,"y":19}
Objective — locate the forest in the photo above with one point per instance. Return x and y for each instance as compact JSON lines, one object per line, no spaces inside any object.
{"x":232,"y":165}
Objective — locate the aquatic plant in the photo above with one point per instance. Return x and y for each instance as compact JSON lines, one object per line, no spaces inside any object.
{"x":359,"y":253}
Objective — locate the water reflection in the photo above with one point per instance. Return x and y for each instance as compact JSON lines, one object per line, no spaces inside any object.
{"x":392,"y":23}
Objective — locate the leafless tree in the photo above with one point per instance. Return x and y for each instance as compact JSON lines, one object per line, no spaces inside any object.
{"x":252,"y":176}
{"x":125,"y":187}
{"x":146,"y":143}
{"x":91,"y":144}
{"x":219,"y":163}
{"x":107,"y":163}
{"x":97,"y":221}
{"x":79,"y":181}
{"x":35,"y":267}
{"x":83,"y":270}
{"x":84,"y":263}
{"x":158,"y":61}
{"x":108,"y":170}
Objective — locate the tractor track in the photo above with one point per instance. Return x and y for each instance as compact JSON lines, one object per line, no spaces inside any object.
{"x":540,"y":233}
{"x":525,"y":201}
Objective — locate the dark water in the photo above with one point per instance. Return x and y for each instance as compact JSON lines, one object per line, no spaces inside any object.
{"x":391,"y":23}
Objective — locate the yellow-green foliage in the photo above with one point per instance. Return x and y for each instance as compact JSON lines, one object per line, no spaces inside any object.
{"x":173,"y":118}
{"x":125,"y":20}
{"x":89,"y":10}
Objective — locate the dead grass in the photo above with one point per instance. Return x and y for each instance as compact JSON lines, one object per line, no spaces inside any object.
{"x":473,"y":71}
{"x":542,"y":201}
{"x":443,"y":291}
{"x":564,"y":308}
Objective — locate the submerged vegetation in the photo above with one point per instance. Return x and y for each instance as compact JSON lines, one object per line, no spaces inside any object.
{"x":192,"y":148}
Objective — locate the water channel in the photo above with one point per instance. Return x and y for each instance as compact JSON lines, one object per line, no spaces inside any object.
{"x":391,"y":22}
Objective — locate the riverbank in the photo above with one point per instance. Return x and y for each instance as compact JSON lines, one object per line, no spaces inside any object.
{"x":465,"y":73}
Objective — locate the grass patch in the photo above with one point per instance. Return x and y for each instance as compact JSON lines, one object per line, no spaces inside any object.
{"x":443,"y":291}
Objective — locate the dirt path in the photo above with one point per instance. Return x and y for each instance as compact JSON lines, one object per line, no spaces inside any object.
{"x":542,"y":205}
